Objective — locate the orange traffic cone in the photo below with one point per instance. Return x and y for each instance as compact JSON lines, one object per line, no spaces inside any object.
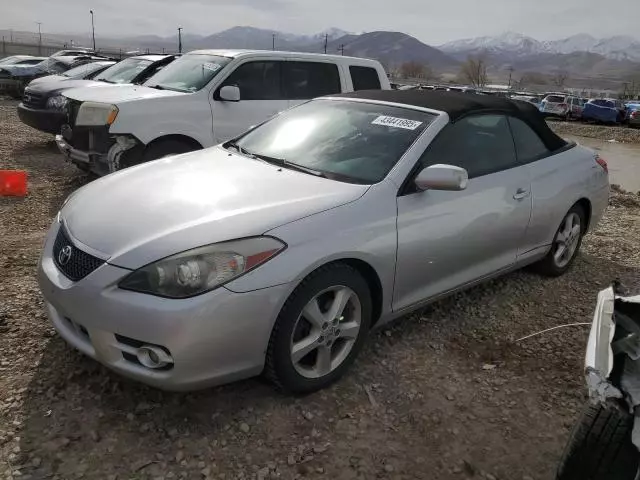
{"x":13,"y":183}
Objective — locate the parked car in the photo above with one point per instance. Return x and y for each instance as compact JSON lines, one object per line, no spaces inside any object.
{"x":201,"y":99}
{"x":43,"y":107}
{"x":603,"y":445}
{"x":562,"y":106}
{"x":21,"y":60}
{"x":14,"y":78}
{"x":74,"y":52}
{"x":533,"y":100}
{"x":81,"y":72}
{"x":212,"y":266}
{"x":604,"y":110}
{"x":633,"y":113}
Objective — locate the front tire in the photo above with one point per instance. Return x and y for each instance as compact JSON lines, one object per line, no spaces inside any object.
{"x":320,"y":330}
{"x":566,"y":244}
{"x":600,"y":447}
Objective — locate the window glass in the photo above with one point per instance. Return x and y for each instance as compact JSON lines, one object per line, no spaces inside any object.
{"x":257,"y":80}
{"x":555,"y":99}
{"x":84,"y":71}
{"x":364,"y":78}
{"x":529,"y":146}
{"x":125,"y":71}
{"x":188,"y":73}
{"x":306,"y":80}
{"x":347,"y":141}
{"x":480,"y":144}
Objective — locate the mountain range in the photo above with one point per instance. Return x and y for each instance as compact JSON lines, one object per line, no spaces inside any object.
{"x":621,"y":47}
{"x":582,"y":57}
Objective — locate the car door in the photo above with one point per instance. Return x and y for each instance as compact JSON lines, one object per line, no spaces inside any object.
{"x":261,"y":97}
{"x":449,"y":239}
{"x":303,"y":80}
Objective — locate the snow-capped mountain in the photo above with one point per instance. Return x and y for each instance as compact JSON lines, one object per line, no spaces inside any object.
{"x":582,"y":42}
{"x":510,"y":44}
{"x":506,"y":42}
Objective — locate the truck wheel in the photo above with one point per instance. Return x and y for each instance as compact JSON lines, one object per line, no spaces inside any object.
{"x":600,"y":447}
{"x":166,"y":148}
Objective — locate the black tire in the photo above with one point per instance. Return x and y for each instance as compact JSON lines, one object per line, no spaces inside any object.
{"x":600,"y":447}
{"x":165,"y":148}
{"x":548,"y":266}
{"x":279,"y":367}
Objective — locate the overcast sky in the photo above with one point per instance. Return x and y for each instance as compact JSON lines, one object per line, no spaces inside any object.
{"x":431,"y":21}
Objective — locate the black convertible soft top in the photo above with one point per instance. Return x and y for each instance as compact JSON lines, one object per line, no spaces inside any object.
{"x":458,"y":105}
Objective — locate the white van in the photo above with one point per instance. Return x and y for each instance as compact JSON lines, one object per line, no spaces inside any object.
{"x":203,"y":98}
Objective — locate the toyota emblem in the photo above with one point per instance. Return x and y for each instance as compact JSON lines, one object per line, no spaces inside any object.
{"x":64,"y":255}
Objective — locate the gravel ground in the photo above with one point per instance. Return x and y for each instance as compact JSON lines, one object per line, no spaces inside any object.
{"x":446,"y":393}
{"x":601,"y":132}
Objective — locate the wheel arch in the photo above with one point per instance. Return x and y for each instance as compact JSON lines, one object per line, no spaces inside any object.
{"x":370,"y":275}
{"x":178,"y":138}
{"x":585,"y":204}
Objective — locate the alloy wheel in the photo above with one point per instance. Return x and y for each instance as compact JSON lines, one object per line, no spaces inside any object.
{"x":567,"y":240}
{"x":325,"y":332}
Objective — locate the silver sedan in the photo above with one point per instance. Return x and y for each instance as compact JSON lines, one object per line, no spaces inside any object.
{"x":279,"y":251}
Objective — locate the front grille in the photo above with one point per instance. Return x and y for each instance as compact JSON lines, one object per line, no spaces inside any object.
{"x":33,"y":100}
{"x":73,"y":262}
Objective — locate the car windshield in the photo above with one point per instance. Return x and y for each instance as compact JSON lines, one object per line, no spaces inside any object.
{"x":52,"y":65}
{"x":9,"y":60}
{"x":125,"y":71}
{"x":83,"y":70}
{"x":188,"y":73}
{"x":603,"y":103}
{"x":554,"y":99}
{"x":344,"y":140}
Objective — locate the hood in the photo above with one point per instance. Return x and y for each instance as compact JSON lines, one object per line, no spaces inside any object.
{"x":48,"y":84}
{"x":115,"y":94}
{"x":48,"y":78}
{"x":22,"y":70}
{"x":151,"y":211}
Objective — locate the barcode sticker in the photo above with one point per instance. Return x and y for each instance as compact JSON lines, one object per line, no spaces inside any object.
{"x":396,"y":122}
{"x":214,"y":67}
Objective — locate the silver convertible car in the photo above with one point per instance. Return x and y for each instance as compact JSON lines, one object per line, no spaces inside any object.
{"x":277,"y":252}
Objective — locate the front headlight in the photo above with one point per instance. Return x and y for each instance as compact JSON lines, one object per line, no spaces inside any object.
{"x":202,"y":269}
{"x":57,"y":103}
{"x":96,"y":114}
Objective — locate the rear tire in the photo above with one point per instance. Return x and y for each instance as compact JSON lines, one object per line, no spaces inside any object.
{"x":600,"y":447}
{"x":553,"y":265}
{"x":166,"y":148}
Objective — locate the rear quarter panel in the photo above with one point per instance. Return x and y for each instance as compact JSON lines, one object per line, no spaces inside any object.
{"x":557,"y":183}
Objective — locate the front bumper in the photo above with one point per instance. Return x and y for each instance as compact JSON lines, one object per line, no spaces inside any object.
{"x":214,"y":338}
{"x":98,"y":161}
{"x":49,"y":121}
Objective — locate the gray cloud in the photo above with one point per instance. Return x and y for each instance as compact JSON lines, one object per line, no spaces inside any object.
{"x":431,"y":22}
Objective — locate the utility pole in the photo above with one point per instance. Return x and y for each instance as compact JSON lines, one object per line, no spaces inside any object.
{"x":93,"y":31}
{"x":510,"y":74}
{"x":39,"y":38}
{"x":326,"y":41}
{"x":179,"y":39}
{"x":341,"y":48}
{"x":273,"y":41}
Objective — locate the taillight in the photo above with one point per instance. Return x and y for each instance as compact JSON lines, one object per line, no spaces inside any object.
{"x":634,"y":114}
{"x":563,"y":105}
{"x":603,"y":163}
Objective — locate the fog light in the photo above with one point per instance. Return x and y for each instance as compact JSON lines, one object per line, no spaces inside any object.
{"x":153,"y":357}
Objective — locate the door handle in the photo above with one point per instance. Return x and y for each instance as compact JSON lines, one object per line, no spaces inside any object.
{"x":520,"y":194}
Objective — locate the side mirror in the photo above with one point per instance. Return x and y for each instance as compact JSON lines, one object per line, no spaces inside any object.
{"x":442,"y":177}
{"x":230,"y":93}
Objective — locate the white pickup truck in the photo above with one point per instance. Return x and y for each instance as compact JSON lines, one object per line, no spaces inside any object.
{"x":203,"y":98}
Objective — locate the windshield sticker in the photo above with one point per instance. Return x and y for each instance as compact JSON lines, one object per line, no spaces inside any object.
{"x":214,"y":67}
{"x":396,"y":122}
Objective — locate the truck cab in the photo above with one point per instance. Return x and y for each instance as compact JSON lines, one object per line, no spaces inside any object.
{"x":203,"y":98}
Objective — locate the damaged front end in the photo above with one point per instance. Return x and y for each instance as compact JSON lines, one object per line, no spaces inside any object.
{"x":612,"y":362}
